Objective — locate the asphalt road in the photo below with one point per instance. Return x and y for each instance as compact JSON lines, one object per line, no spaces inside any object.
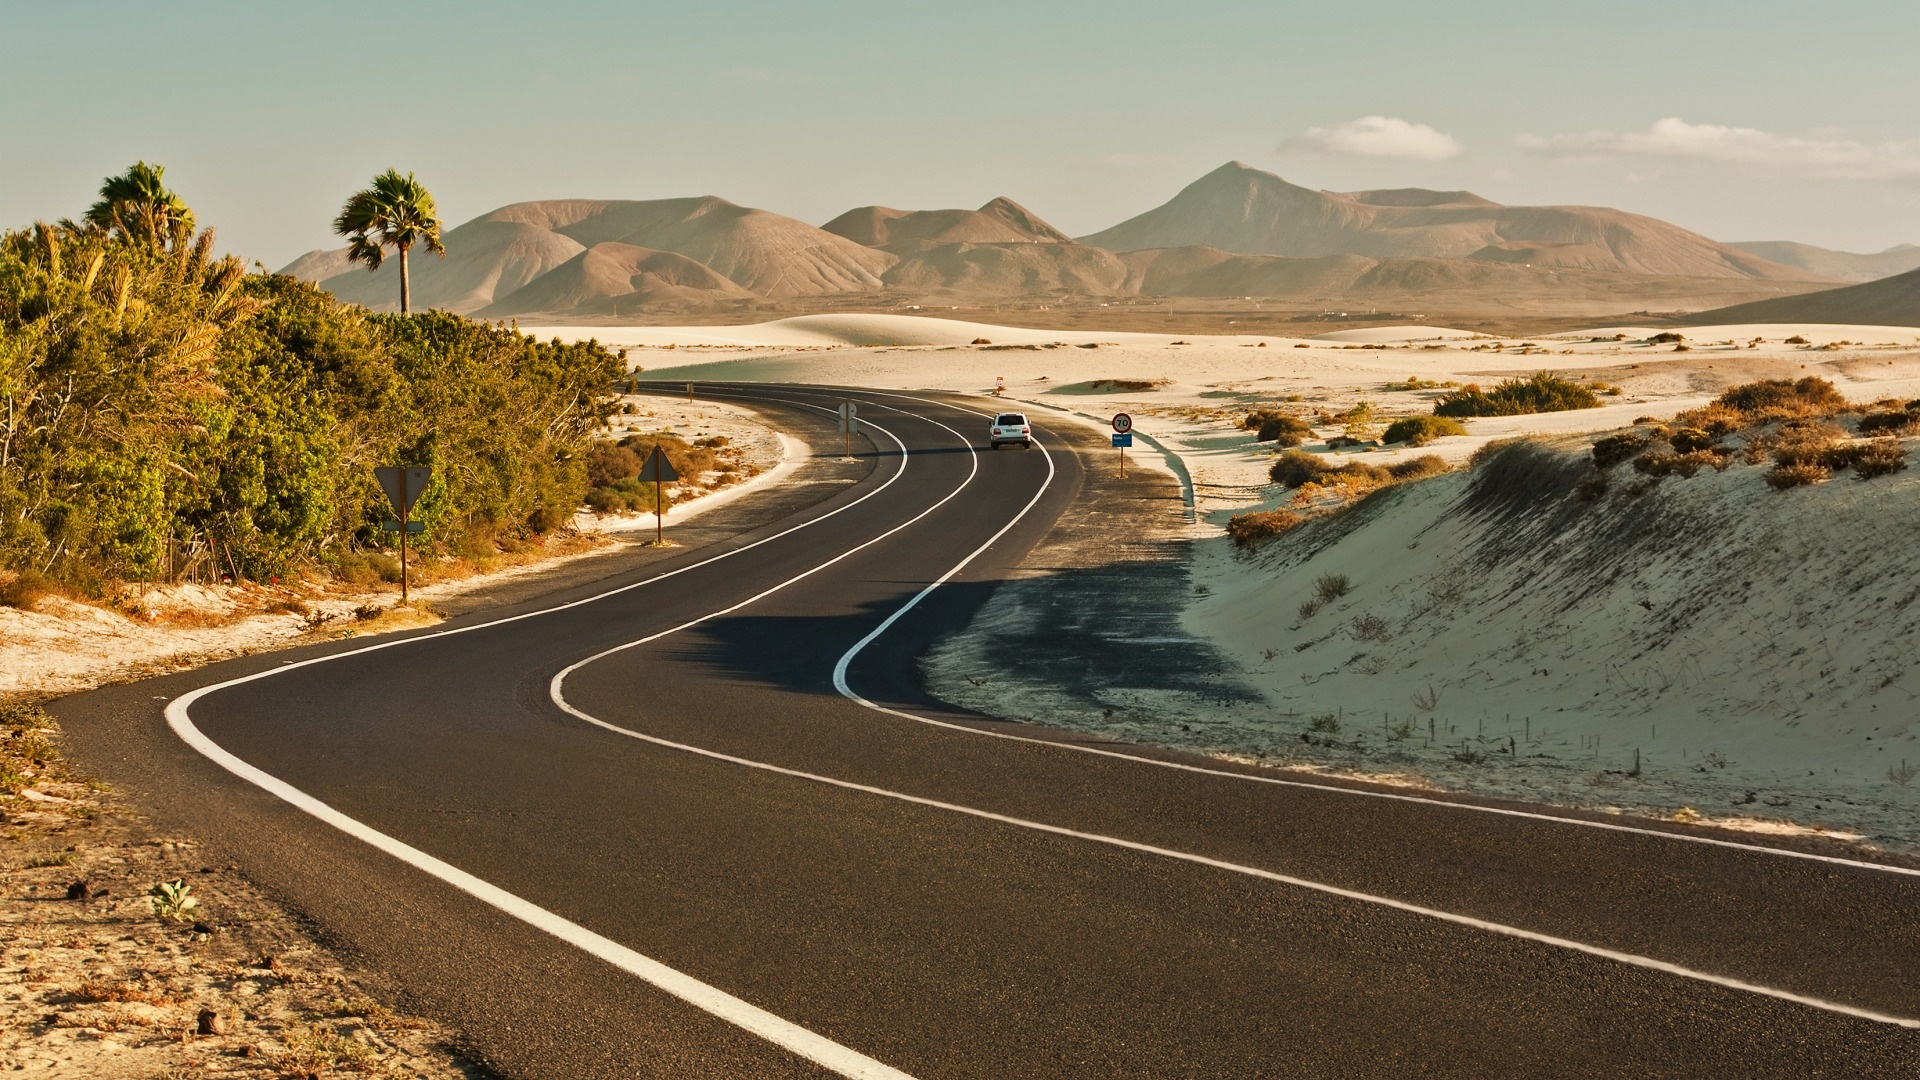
{"x":692,"y":854}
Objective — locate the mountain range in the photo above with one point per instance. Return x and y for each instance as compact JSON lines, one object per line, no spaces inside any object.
{"x":1236,"y":232}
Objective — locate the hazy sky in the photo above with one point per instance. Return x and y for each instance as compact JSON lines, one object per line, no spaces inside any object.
{"x":1756,"y":119}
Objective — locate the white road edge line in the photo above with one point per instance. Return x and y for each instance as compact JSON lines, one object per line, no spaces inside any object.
{"x":792,"y":1037}
{"x":1529,"y":815}
{"x":556,"y":692}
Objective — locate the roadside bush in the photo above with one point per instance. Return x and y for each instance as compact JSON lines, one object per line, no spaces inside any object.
{"x":1668,"y":338}
{"x":1688,"y":439}
{"x":1250,"y":530}
{"x":1901,"y":422}
{"x":1297,"y":467}
{"x":1540,"y":392}
{"x":1615,"y":449}
{"x":1331,"y":587}
{"x":1878,"y":458}
{"x":1658,"y":463}
{"x":1773,"y":399}
{"x":1419,"y":468}
{"x":1781,"y":477}
{"x":1271,"y":426}
{"x":1421,"y":430}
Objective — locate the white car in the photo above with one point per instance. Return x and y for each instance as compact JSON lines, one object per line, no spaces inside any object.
{"x":1010,"y":427}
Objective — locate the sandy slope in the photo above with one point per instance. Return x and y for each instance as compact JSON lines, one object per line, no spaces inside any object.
{"x":1894,"y":300}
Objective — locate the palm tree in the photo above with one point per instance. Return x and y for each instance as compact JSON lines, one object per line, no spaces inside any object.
{"x":138,"y":205}
{"x":395,"y":212}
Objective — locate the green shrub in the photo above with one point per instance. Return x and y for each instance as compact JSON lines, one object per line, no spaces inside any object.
{"x":1421,"y":430}
{"x":1779,"y":399}
{"x":1541,"y":392}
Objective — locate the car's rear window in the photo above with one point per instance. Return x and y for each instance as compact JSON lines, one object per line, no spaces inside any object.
{"x":1010,"y":419}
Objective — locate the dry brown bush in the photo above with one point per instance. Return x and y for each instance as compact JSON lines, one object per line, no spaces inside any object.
{"x":1419,"y":468}
{"x":1615,"y":449}
{"x":1781,"y":477}
{"x":1878,"y":458}
{"x":1250,"y":530}
{"x":1661,"y":463}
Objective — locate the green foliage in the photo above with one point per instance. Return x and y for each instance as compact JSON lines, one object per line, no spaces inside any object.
{"x":153,"y":398}
{"x":1540,"y":392}
{"x":612,"y":469}
{"x":173,"y":901}
{"x":1421,"y":430}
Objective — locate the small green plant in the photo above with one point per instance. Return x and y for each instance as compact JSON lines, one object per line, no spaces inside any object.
{"x":1401,"y":731}
{"x":1421,"y":430}
{"x":1326,"y":722}
{"x":1467,"y":755}
{"x":1331,"y":587}
{"x":1426,"y":700}
{"x":1903,"y":773}
{"x":1308,"y":608}
{"x":172,"y":901}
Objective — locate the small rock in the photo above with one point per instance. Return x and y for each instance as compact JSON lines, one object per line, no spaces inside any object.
{"x":80,"y":890}
{"x":249,"y":1051}
{"x":212,"y":1023}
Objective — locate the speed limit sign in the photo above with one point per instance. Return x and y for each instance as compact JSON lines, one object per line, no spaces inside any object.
{"x":1122,"y":423}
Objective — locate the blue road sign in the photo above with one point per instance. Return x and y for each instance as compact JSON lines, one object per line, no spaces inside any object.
{"x":1123,"y":439}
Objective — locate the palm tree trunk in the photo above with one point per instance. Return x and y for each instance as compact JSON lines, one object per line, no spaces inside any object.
{"x":406,"y":292}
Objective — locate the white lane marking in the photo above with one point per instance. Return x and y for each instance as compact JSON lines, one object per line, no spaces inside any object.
{"x":1529,"y":815}
{"x":792,"y":1037}
{"x":556,"y":690}
{"x":1631,"y":959}
{"x":799,"y":1040}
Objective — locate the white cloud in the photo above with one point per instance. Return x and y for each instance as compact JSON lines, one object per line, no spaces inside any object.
{"x":1676,"y":139}
{"x":1377,"y":136}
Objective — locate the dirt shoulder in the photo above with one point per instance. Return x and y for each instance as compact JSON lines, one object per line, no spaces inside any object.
{"x":97,"y":980}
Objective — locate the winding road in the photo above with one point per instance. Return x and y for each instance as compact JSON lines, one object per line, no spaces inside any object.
{"x":698,"y":818}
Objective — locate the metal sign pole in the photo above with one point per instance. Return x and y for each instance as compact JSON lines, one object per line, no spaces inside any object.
{"x":689,"y":393}
{"x":403,"y":537}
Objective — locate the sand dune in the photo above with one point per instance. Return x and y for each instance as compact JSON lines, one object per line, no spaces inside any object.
{"x":1841,"y":265}
{"x":1893,"y":301}
{"x":1000,"y":221}
{"x":1242,"y":209}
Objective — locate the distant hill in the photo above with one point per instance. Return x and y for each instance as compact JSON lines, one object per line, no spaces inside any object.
{"x":1001,"y":221}
{"x":1893,"y":301}
{"x":1244,"y":210}
{"x":1236,"y":233}
{"x":1843,"y":265}
{"x":496,"y":254}
{"x":610,"y":277}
